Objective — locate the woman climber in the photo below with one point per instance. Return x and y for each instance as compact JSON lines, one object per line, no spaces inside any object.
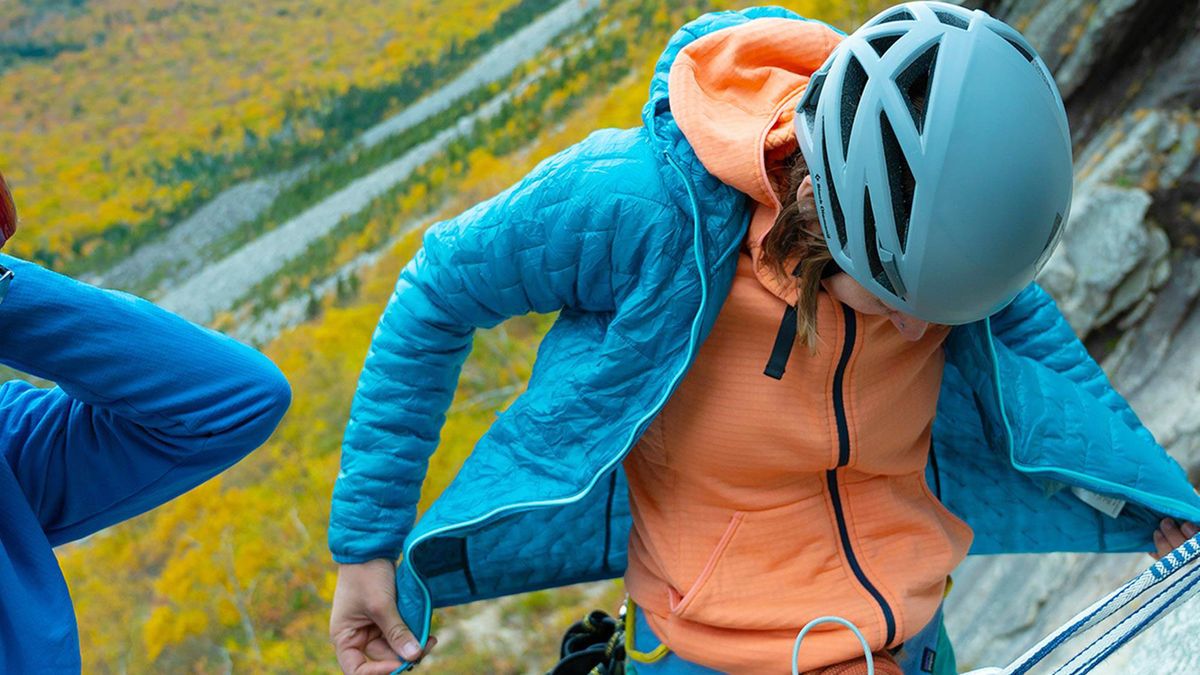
{"x":799,"y":368}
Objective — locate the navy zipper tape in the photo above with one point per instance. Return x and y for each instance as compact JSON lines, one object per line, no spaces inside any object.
{"x":839,"y":377}
{"x":844,"y":534}
{"x":608,"y":509}
{"x":835,"y":497}
{"x":470,"y":578}
{"x":937,"y":475}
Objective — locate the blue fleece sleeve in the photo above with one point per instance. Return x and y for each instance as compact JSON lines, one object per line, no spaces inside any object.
{"x":540,"y":246}
{"x":147,"y":405}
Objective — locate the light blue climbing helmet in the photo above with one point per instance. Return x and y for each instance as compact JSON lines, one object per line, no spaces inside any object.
{"x":940,"y":156}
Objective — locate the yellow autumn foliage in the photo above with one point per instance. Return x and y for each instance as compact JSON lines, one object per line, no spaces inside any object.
{"x":84,"y":133}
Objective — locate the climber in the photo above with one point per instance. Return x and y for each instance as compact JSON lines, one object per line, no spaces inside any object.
{"x":814,"y":244}
{"x":147,"y":407}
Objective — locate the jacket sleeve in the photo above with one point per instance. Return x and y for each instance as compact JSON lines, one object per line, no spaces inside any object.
{"x":542,"y":245}
{"x":147,"y":405}
{"x":1032,"y":326}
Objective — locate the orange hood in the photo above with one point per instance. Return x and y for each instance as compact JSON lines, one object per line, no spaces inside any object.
{"x":734,"y":93}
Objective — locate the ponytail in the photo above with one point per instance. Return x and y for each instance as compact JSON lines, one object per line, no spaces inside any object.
{"x":796,"y":235}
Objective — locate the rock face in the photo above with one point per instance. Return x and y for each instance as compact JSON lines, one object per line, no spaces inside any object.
{"x":1127,"y":277}
{"x":1108,"y":259}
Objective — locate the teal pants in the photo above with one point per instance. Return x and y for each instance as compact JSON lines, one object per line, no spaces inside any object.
{"x":926,"y":653}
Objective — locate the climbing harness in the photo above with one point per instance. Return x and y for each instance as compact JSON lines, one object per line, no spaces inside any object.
{"x":595,"y":645}
{"x":598,"y":644}
{"x":599,"y":641}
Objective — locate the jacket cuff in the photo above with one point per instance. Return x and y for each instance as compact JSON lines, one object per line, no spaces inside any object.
{"x":358,"y":559}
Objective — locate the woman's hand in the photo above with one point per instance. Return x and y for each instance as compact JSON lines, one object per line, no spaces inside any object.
{"x":366,"y":630}
{"x":1170,"y":535}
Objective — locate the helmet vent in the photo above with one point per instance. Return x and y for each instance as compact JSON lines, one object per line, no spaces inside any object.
{"x":1021,"y":48}
{"x":1048,"y":248}
{"x":915,"y":83}
{"x":808,"y":107}
{"x":884,"y":43}
{"x":902,"y":15}
{"x":900,"y":180}
{"x":839,"y":222}
{"x":871,"y":240}
{"x":951,"y":19}
{"x":1058,"y":220}
{"x":853,"y":84}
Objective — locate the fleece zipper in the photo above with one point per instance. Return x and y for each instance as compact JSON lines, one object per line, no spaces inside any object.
{"x":831,"y":475}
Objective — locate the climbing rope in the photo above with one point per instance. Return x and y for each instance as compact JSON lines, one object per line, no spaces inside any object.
{"x":1161,"y":588}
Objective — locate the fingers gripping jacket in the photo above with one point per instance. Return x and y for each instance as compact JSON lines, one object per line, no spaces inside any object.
{"x":941,"y":160}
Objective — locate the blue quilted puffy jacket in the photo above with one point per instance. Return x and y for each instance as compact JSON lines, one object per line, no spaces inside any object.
{"x":634,"y":243}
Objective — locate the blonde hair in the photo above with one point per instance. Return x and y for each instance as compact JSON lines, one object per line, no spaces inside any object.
{"x":796,"y":236}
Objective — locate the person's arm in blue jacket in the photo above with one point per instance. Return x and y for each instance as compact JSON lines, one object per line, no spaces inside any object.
{"x":543,"y":245}
{"x":147,"y":405}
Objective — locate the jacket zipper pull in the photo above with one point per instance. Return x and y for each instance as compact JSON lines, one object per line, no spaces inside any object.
{"x":784,"y":340}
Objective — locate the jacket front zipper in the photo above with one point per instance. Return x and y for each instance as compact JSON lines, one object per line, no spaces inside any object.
{"x":831,"y":475}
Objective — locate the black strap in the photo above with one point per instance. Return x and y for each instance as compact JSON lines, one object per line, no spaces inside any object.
{"x":831,"y":268}
{"x":784,"y":339}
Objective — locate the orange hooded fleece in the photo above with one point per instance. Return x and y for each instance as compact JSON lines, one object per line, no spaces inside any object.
{"x":759,"y":504}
